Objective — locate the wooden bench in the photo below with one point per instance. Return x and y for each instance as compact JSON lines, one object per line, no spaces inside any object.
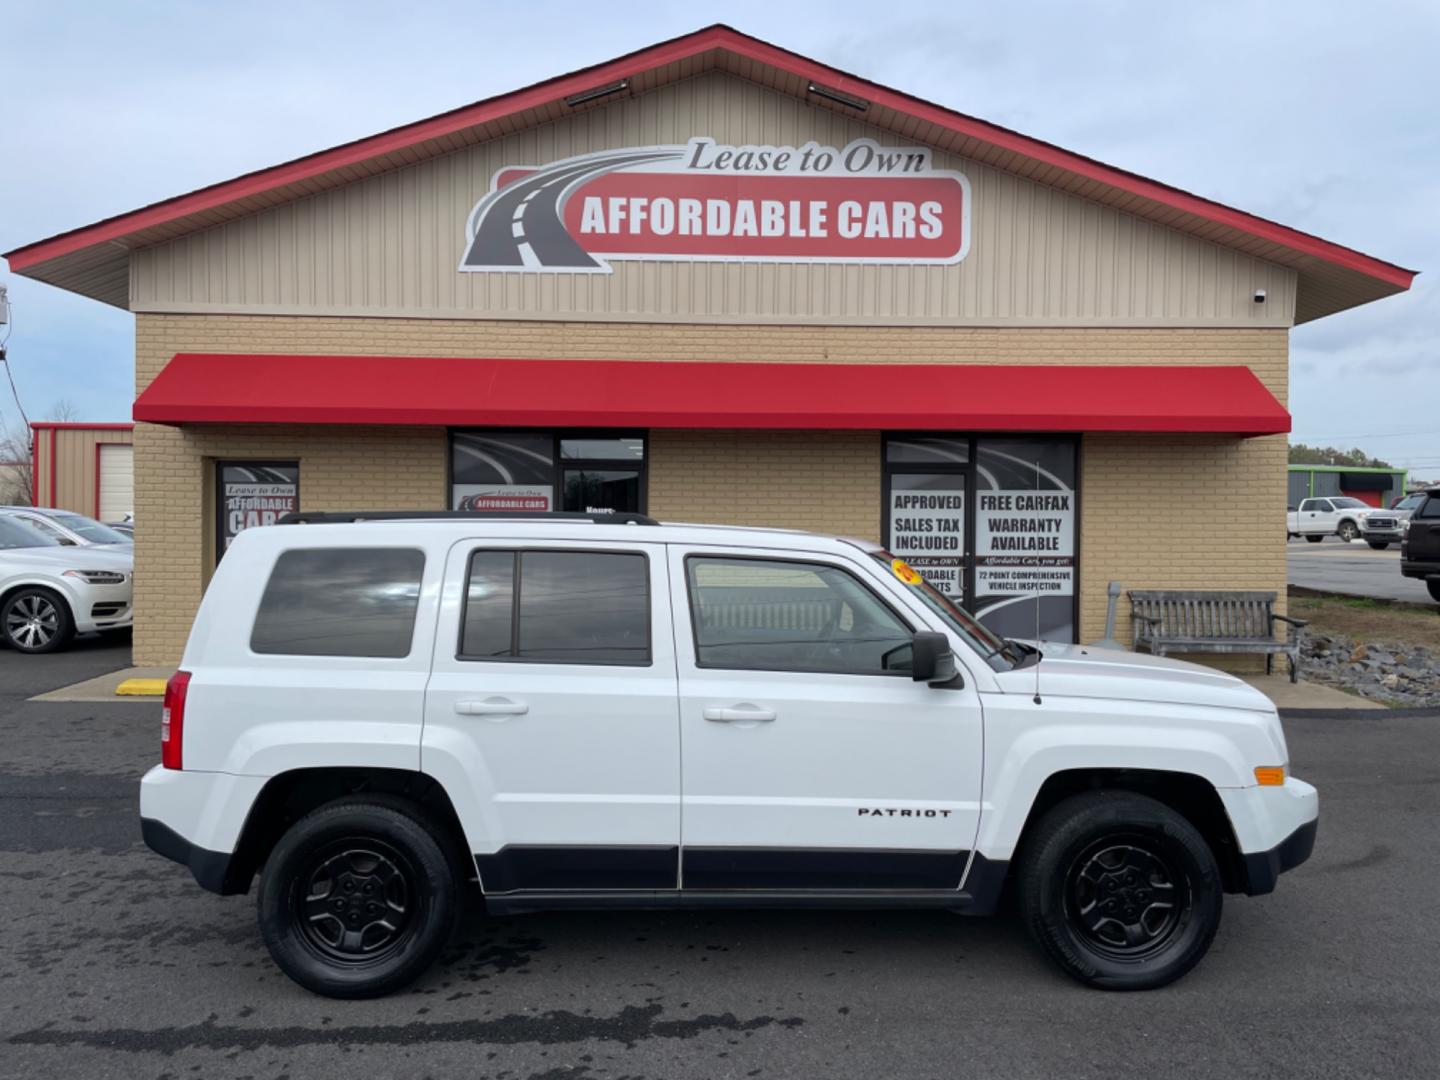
{"x":1194,"y":620}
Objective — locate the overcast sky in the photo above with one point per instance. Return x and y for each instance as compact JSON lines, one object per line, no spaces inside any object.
{"x":1320,"y":115}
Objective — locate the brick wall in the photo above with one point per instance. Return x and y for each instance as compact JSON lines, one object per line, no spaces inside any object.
{"x":1155,"y":511}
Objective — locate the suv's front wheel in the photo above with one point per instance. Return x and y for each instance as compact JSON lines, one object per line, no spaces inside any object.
{"x":1120,"y":890}
{"x":357,"y":899}
{"x":36,"y":620}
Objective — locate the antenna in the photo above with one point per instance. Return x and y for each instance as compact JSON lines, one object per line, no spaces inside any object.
{"x":1037,"y":609}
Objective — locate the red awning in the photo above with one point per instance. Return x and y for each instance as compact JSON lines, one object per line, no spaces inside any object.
{"x":268,"y":389}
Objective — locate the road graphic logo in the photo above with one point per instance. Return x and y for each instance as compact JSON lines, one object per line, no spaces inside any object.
{"x":706,"y":202}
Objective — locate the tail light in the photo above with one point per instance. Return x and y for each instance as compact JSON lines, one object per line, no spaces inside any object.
{"x":172,"y":720}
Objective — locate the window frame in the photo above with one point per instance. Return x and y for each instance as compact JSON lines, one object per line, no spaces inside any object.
{"x":519,"y":551}
{"x":368,"y":657}
{"x":558,"y":464}
{"x":859,"y":579}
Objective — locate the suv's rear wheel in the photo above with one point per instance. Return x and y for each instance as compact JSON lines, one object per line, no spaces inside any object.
{"x":357,"y":899}
{"x":1433,"y":584}
{"x":1121,"y":891}
{"x":36,"y":620}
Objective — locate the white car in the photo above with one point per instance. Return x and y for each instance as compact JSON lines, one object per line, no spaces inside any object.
{"x":49,"y":591}
{"x":1346,"y":517}
{"x":65,"y":527}
{"x":390,"y":719}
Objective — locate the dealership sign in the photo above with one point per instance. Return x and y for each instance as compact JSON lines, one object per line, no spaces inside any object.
{"x":704,"y":202}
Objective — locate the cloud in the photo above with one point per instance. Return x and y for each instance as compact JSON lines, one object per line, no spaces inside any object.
{"x":1318,"y":114}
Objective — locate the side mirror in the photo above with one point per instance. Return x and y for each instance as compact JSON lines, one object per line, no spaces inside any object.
{"x":932,"y":662}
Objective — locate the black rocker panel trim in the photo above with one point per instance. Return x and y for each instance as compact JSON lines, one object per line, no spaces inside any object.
{"x":588,"y":868}
{"x":822,"y":869}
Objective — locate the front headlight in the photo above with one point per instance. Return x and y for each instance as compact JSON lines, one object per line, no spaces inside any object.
{"x":97,"y":577}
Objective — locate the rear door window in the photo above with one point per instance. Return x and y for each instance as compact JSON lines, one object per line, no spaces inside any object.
{"x":340,"y":602}
{"x":557,"y":607}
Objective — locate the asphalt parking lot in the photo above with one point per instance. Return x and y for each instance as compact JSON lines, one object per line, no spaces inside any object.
{"x":1354,"y":569}
{"x":116,"y":964}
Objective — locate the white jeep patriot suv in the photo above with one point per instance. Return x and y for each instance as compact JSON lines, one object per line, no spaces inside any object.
{"x":387,"y":716}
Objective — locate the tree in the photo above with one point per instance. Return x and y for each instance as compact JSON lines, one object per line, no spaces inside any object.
{"x":17,"y":485}
{"x":64,"y":411}
{"x":1300,"y":454}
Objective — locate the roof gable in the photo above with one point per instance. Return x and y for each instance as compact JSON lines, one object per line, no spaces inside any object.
{"x":94,"y":260}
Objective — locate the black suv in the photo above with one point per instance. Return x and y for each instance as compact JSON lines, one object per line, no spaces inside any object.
{"x":1420,"y":545}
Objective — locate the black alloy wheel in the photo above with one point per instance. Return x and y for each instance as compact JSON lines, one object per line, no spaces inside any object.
{"x":359,"y":897}
{"x":36,"y":620}
{"x":1122,"y":892}
{"x":355,"y":902}
{"x":1123,"y":896}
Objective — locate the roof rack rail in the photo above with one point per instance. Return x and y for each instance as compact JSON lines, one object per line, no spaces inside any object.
{"x":338,"y":517}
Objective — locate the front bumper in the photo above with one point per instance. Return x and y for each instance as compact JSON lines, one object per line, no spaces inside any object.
{"x":1274,"y":827}
{"x":1263,"y":868}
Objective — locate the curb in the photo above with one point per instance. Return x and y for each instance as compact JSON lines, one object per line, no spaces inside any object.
{"x":1427,"y":713}
{"x":141,"y":688}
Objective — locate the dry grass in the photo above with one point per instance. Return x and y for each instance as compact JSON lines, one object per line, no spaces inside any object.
{"x":1370,"y":620}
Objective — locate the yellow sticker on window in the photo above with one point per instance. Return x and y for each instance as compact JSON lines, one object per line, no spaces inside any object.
{"x":903,"y":571}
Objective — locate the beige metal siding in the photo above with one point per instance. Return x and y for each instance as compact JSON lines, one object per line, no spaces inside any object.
{"x":75,"y":457}
{"x":390,"y":244}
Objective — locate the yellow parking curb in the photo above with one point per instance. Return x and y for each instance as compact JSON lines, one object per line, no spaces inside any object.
{"x":141,"y":688}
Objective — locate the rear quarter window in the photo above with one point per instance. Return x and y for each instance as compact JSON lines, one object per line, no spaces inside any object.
{"x":340,"y":602}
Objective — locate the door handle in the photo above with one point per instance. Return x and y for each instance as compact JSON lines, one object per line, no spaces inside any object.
{"x":495,"y":706}
{"x":739,"y":714}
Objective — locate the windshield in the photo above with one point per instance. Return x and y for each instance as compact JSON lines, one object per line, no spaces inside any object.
{"x":1349,"y":504}
{"x":91,"y":529}
{"x":14,"y":534}
{"x":980,"y":638}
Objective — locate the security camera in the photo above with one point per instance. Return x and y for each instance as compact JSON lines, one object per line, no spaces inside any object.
{"x":1259,"y":296}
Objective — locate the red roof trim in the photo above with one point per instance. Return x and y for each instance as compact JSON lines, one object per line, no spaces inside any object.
{"x":717,"y":36}
{"x":435,"y":391}
{"x":58,"y":425}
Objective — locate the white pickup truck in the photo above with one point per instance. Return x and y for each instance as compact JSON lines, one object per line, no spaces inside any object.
{"x":1345,"y":517}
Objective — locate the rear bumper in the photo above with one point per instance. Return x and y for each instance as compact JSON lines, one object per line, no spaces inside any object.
{"x":1422,"y":570}
{"x":195,"y":819}
{"x":212,"y":869}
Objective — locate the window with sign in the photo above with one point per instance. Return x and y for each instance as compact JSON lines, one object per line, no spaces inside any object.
{"x":990,"y":522}
{"x":594,"y":472}
{"x":251,"y":493}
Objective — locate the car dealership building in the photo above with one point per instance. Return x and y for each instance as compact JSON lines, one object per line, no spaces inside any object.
{"x":716,"y":281}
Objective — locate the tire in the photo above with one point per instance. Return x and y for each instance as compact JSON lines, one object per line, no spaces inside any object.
{"x":1378,"y":545}
{"x":36,"y":620}
{"x":1348,"y":531}
{"x":1434,"y":586}
{"x":1314,"y":539}
{"x":1105,"y":842}
{"x":354,"y":845}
